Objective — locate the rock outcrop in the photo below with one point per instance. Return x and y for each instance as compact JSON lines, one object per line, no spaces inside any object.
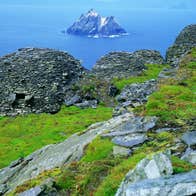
{"x":134,"y":95}
{"x":55,"y":155}
{"x":183,"y":44}
{"x":189,"y":139}
{"x":125,"y":64}
{"x":153,"y":176}
{"x":35,"y":80}
{"x":148,"y":168}
{"x":176,"y":185}
{"x":93,"y":25}
{"x":132,"y":132}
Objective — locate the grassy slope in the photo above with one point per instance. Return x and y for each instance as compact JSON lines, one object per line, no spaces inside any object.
{"x":178,"y":98}
{"x":175,"y":102}
{"x":151,"y":73}
{"x":22,"y":135}
{"x":99,"y":173}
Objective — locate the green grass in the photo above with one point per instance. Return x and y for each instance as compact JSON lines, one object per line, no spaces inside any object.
{"x":172,"y":103}
{"x":152,"y":72}
{"x":99,"y":173}
{"x":99,"y":149}
{"x":180,"y":166}
{"x":194,"y":52}
{"x":83,"y":177}
{"x":111,"y":183}
{"x":175,"y":101}
{"x":22,"y":135}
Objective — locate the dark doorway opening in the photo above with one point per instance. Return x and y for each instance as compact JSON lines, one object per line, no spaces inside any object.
{"x":19,"y":100}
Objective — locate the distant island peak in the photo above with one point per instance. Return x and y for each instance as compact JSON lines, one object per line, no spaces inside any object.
{"x":92,"y":24}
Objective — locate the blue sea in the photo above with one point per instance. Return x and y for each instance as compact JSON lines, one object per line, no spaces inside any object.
{"x":42,"y":26}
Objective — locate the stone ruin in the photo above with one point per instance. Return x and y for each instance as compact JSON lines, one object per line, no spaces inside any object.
{"x":35,"y":80}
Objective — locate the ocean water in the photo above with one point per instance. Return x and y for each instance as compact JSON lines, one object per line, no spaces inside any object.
{"x":42,"y":26}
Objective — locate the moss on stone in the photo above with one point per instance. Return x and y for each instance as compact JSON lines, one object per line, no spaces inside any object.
{"x":180,"y":166}
{"x":36,"y":181}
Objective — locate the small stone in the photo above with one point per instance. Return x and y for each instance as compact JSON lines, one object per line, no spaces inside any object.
{"x":88,"y":104}
{"x":72,"y":100}
{"x":190,"y":156}
{"x":129,"y":140}
{"x":189,"y":138}
{"x":121,"y":151}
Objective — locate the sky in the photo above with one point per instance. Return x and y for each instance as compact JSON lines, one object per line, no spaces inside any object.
{"x":171,"y":4}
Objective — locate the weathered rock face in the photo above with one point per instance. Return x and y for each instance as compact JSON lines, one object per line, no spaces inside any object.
{"x":184,"y":43}
{"x":190,"y":156}
{"x":159,"y":165}
{"x":189,"y":139}
{"x":35,"y":80}
{"x":134,"y":95}
{"x":132,"y":132}
{"x":153,"y":176}
{"x":176,"y":185}
{"x":125,"y":64}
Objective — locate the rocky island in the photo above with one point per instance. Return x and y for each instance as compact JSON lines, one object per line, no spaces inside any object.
{"x":94,"y":25}
{"x":126,"y":134}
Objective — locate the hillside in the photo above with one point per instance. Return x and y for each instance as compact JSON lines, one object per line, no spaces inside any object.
{"x":131,"y":133}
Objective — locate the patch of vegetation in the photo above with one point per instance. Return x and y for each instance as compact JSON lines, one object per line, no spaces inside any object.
{"x":83,"y":177}
{"x":22,"y":135}
{"x":193,"y":52}
{"x":92,"y":87}
{"x":180,"y":166}
{"x":175,"y":102}
{"x":152,"y":72}
{"x":111,"y":183}
{"x":159,"y":142}
{"x":172,"y":103}
{"x":99,"y":149}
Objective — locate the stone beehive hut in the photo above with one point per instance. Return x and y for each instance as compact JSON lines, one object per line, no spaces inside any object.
{"x":35,"y":80}
{"x":126,"y":64}
{"x":185,"y":41}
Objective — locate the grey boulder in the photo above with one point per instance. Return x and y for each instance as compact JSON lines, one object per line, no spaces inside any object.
{"x":189,"y":138}
{"x":148,"y":168}
{"x":130,"y":140}
{"x":176,"y":185}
